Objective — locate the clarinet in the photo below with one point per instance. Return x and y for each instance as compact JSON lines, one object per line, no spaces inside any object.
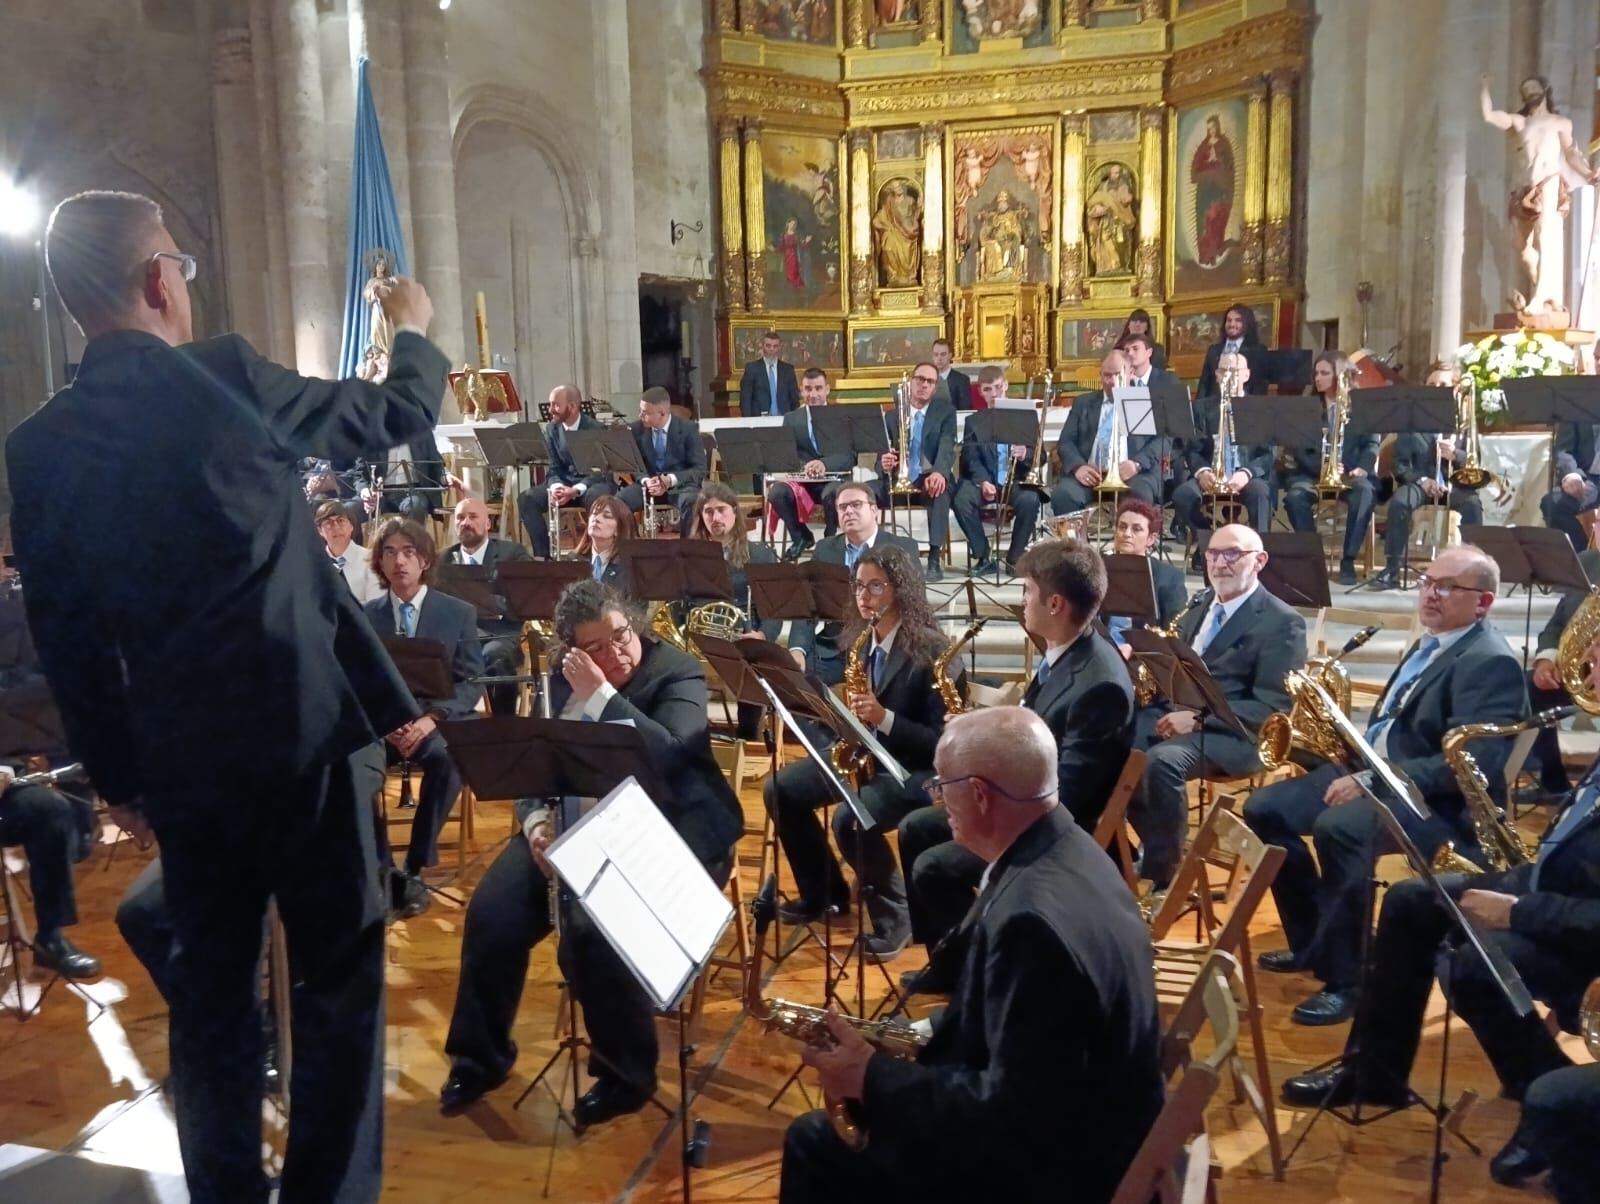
{"x":555,"y":812}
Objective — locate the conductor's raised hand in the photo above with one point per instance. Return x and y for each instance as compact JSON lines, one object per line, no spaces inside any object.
{"x":405,"y":302}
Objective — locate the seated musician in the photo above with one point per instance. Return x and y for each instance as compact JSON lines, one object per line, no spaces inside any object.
{"x":859,"y":532}
{"x":403,"y":557}
{"x":610,"y":673}
{"x":672,"y":451}
{"x":563,"y":482}
{"x":898,"y":640}
{"x":989,"y":473}
{"x":1546,"y":691}
{"x":931,"y":452}
{"x":1577,"y":449}
{"x":1085,"y":445}
{"x":502,"y":652}
{"x":1543,"y":916}
{"x":1247,"y":468}
{"x":412,"y":481}
{"x":1559,"y":1131}
{"x":1082,"y":692}
{"x":350,"y":559}
{"x":1249,"y":640}
{"x":717,"y":518}
{"x":1357,"y":462}
{"x":610,"y":522}
{"x":1136,"y":531}
{"x":56,"y":829}
{"x":1461,"y":671}
{"x":1053,"y":1014}
{"x":784,"y":496}
{"x":1421,"y":473}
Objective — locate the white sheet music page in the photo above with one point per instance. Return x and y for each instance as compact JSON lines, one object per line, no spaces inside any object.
{"x":638,"y":936}
{"x":1138,"y":417}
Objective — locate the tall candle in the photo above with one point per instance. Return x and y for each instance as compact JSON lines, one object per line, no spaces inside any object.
{"x":483,"y":333}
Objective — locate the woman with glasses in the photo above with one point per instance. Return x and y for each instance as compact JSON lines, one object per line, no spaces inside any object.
{"x":609,"y":673}
{"x":904,"y":709}
{"x":610,"y":522}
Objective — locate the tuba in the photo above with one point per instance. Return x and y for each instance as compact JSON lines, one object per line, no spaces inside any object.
{"x":1572,"y":659}
{"x":1502,"y":845}
{"x":1144,"y":682}
{"x":1471,"y":475}
{"x":954,"y":704}
{"x":1305,"y":726}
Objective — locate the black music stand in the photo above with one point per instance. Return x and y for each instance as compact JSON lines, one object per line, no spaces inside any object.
{"x":755,"y":451}
{"x":809,"y":590}
{"x":1530,"y":556}
{"x":676,"y":571}
{"x":1288,"y":369}
{"x":854,"y":429}
{"x":1130,"y":588}
{"x":1283,"y":421}
{"x":1003,"y":425}
{"x":531,"y":589}
{"x":1296,"y":571}
{"x":472,"y":584}
{"x":1547,"y":400}
{"x":514,"y":446}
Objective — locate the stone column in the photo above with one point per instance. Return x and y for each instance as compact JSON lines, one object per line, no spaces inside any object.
{"x":618,"y":237}
{"x":386,"y":71}
{"x":240,"y":194}
{"x":755,"y":220}
{"x":862,"y":275}
{"x":1255,"y":181}
{"x":436,"y":256}
{"x":732,"y":215}
{"x":1147,"y":266}
{"x":1074,"y":139}
{"x":263,"y":63}
{"x":1280,"y":177}
{"x":933,"y":218}
{"x":305,"y":186}
{"x":855,"y":24}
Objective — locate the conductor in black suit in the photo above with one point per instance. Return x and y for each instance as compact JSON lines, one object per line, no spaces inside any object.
{"x":1084,"y":695}
{"x":403,"y":557}
{"x":672,"y":452}
{"x":955,"y":386}
{"x":563,"y":481}
{"x":1053,"y":1013}
{"x":1545,"y":688}
{"x":1085,"y":438}
{"x":781,"y":494}
{"x":1240,"y":336}
{"x":221,"y":694}
{"x":768,"y":385}
{"x":1249,"y":640}
{"x":931,"y":452}
{"x":501,"y":649}
{"x":1461,"y":671}
{"x":609,"y":674}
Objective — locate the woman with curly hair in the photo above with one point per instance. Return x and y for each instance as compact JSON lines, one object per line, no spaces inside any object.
{"x":906,"y":712}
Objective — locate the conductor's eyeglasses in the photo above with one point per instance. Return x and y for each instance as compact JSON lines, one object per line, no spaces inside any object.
{"x":188,"y":265}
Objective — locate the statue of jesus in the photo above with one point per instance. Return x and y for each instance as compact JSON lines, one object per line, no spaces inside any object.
{"x":1541,"y":197}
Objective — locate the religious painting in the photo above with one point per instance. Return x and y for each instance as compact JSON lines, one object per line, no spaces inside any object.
{"x":811,"y":21}
{"x":897,"y":234}
{"x":802,"y":348}
{"x":1004,"y":194}
{"x":1087,"y":338}
{"x":801,"y":189}
{"x":1111,"y":219}
{"x":892,"y":347}
{"x":1208,"y":201}
{"x":1191,"y":334}
{"x":1119,"y":125}
{"x":903,"y":144}
{"x":887,"y":13}
{"x":974,"y":22}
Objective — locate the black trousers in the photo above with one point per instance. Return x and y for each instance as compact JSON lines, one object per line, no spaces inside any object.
{"x":968,"y":506}
{"x":781,"y":498}
{"x":509,"y":914}
{"x":46,"y":824}
{"x":1360,"y":499}
{"x":436,"y":784}
{"x":1193,"y":504}
{"x":1561,"y":1120}
{"x":1547,"y":744}
{"x":793,"y":797}
{"x":146,"y":924}
{"x":502,"y":657}
{"x":225,"y":847}
{"x":1411,"y":928}
{"x":938,"y":509}
{"x":533,"y":507}
{"x":682,"y":498}
{"x":1561,"y":510}
{"x":818,"y":1168}
{"x":1322,"y":914}
{"x":1072,"y":494}
{"x":1404,"y":503}
{"x":942,"y":877}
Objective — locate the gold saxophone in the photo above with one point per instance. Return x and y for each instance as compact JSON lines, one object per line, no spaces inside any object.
{"x":1502,"y":845}
{"x":1572,"y":653}
{"x":1589,"y":1019}
{"x":954,"y":704}
{"x":1144,"y":682}
{"x":850,"y":761}
{"x":1304,"y":726}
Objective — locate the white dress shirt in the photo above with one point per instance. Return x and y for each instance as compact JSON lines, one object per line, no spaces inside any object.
{"x":1447,"y":640}
{"x":357,"y":573}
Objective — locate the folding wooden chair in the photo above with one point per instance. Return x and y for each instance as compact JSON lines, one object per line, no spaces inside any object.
{"x":1111,"y":831}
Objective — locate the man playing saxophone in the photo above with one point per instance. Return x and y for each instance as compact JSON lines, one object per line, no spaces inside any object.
{"x":1043,"y":1072}
{"x":1461,"y":671}
{"x":1544,"y":915}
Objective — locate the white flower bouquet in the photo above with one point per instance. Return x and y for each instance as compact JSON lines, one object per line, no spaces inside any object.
{"x":1510,"y":356}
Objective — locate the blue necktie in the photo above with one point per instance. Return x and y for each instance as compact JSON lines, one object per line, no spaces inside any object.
{"x":408,"y":617}
{"x":1043,"y":675}
{"x":1116,"y":625}
{"x":877,"y":669}
{"x":1582,"y":807}
{"x":916,"y":446}
{"x":811,"y":431}
{"x":597,"y":567}
{"x":772,"y":388}
{"x":1414,"y":665}
{"x":338,"y":563}
{"x":1218,"y":617}
{"x":851,"y":555}
{"x":660,"y":445}
{"x":1230,"y":450}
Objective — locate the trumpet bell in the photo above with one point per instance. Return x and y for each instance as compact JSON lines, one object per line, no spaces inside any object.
{"x":1471,"y":476}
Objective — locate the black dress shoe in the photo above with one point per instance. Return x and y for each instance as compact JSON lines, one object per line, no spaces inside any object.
{"x":1336,"y":1086}
{"x":1281,"y":961}
{"x":1347,"y":572}
{"x":803,"y":911}
{"x":933,"y":572}
{"x":1516,"y":1164}
{"x":408,"y":897}
{"x":930,"y":980}
{"x":466,"y":1087}
{"x":984,"y":567}
{"x":56,"y":952}
{"x":796,"y":550}
{"x":607,"y":1100}
{"x":883,"y":948}
{"x":1326,"y":1007}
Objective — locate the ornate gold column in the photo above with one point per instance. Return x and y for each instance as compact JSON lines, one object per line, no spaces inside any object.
{"x":732,"y":215}
{"x":749,"y":14}
{"x":1154,"y":10}
{"x":1074,"y":13}
{"x":1074,"y":137}
{"x":755,"y":220}
{"x":727,"y":14}
{"x":855,"y":24}
{"x":1147,"y":267}
{"x":1280,"y":175}
{"x":931,"y":14}
{"x":933,"y":218}
{"x":1255,"y":181}
{"x":861,"y":271}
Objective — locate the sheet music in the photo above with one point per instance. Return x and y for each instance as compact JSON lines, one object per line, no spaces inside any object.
{"x":1138,"y":414}
{"x":1016,"y":403}
{"x":638,"y":935}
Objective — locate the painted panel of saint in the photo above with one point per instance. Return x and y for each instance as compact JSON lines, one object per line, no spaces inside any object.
{"x":1208,"y":206}
{"x":801,"y":188}
{"x":1004,"y":190}
{"x":898,"y":12}
{"x":813,"y":21}
{"x":978,"y":21}
{"x":803,"y":348}
{"x":1110,"y":219}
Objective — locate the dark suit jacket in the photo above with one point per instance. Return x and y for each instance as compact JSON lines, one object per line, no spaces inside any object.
{"x":686,"y":457}
{"x":1079,"y":431}
{"x":1476,"y":680}
{"x":956,"y":389}
{"x":667,"y":702}
{"x":1356,"y":451}
{"x":824,"y":645}
{"x":1256,"y":458}
{"x":169,"y":665}
{"x":1255,"y":355}
{"x":615,"y":575}
{"x":938,"y":441}
{"x":755,"y":394}
{"x":496,"y":552}
{"x":795,"y":423}
{"x":1047,"y":1059}
{"x":1087,"y":702}
{"x":1575,"y":443}
{"x":980,"y":463}
{"x":1415,"y":457}
{"x":454,"y":624}
{"x":563,"y":469}
{"x":1251,"y":655}
{"x":907,"y":689}
{"x":1550,"y":637}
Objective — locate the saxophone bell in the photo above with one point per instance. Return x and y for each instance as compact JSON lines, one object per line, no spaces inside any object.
{"x":1501,"y":846}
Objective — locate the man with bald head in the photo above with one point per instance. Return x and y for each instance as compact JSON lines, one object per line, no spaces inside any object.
{"x":1086,"y":436}
{"x":477,"y":548}
{"x":1249,"y":640}
{"x":1460,"y":671}
{"x":1054,"y":1014}
{"x":564,"y":484}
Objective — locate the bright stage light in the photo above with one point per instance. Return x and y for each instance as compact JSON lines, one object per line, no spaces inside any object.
{"x":19,"y":209}
{"x":444,"y":5}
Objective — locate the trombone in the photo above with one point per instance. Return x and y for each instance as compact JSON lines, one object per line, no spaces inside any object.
{"x":1038,"y":469}
{"x":903,"y":483}
{"x":1116,"y":449}
{"x":1331,"y":477}
{"x":1471,"y":474}
{"x":1224,"y":502}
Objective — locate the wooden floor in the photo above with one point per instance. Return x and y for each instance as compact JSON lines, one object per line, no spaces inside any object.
{"x":62,"y":1079}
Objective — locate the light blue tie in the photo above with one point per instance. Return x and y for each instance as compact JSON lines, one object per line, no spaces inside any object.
{"x":1116,"y":625}
{"x":916,"y":446}
{"x":1003,"y":450}
{"x":1583,"y":806}
{"x":772,"y":388}
{"x":408,"y":617}
{"x":1230,"y":450}
{"x":811,"y":432}
{"x":877,"y":668}
{"x":660,"y":445}
{"x":1414,"y":665}
{"x":1218,"y":617}
{"x":1043,"y":674}
{"x":851,"y":555}
{"x":597,"y":568}
{"x":338,"y":563}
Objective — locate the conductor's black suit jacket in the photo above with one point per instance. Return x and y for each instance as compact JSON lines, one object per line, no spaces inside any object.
{"x":192,"y":631}
{"x":1042,"y":1077}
